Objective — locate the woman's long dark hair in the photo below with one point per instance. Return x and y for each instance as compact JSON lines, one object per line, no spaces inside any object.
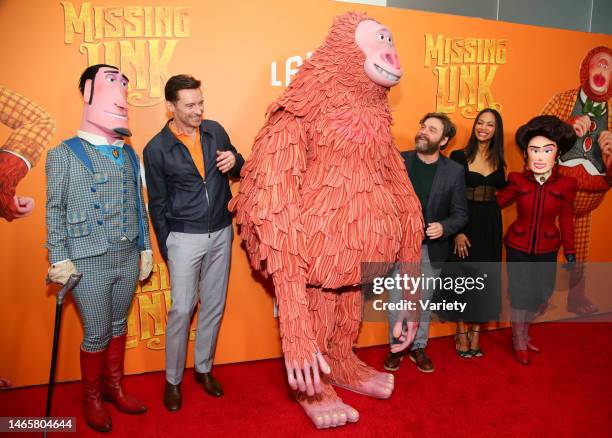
{"x":496,"y":145}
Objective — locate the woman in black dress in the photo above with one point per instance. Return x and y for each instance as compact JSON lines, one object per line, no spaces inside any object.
{"x":481,"y":240}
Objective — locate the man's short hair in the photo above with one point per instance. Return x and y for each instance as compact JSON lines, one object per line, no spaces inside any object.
{"x":449,"y":129}
{"x":177,"y":83}
{"x":90,"y":73}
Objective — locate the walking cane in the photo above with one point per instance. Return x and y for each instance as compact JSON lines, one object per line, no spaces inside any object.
{"x":70,"y":284}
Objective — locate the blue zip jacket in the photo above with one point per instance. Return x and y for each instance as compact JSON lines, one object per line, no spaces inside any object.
{"x":179,"y":198}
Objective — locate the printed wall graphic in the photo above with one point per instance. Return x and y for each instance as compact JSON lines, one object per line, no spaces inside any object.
{"x":245,"y":53}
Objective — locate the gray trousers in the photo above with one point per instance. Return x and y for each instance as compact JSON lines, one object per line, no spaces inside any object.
{"x":395,"y":295}
{"x":105,"y":292}
{"x":199,"y":270}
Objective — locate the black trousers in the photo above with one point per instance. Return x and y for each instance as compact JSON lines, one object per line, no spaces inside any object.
{"x":531,"y":278}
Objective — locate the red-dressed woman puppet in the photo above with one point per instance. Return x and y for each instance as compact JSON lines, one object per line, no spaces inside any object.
{"x":542,"y":195}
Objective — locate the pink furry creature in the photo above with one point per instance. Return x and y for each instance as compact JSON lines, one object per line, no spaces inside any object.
{"x":325,"y":190}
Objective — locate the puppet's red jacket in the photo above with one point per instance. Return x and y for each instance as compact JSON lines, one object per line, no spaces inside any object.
{"x":534,"y":231}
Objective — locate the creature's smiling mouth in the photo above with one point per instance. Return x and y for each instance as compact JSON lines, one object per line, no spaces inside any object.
{"x":117,"y":116}
{"x":390,"y":76}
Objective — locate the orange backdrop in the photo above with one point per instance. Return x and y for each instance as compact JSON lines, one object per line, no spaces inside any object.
{"x":242,"y":52}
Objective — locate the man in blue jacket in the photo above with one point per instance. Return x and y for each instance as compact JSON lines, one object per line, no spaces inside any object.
{"x":187,"y":168}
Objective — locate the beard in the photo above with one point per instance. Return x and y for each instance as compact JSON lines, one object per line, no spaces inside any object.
{"x":426,"y":146}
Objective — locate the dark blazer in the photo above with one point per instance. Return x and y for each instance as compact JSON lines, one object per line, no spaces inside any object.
{"x":446,"y":204}
{"x":179,"y":199}
{"x":534,"y":231}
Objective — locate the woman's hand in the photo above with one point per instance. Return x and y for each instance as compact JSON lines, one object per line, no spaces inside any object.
{"x":462,"y":244}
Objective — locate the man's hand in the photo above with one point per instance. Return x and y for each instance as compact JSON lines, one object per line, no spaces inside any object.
{"x":306,"y":378}
{"x":581,"y":125}
{"x":225,"y":161}
{"x":12,"y":170}
{"x":60,"y":272}
{"x":605,"y":144}
{"x":404,"y":331}
{"x":434,"y":230}
{"x":146,"y":264}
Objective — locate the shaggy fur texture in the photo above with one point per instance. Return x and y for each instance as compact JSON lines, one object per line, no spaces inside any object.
{"x":324,"y":190}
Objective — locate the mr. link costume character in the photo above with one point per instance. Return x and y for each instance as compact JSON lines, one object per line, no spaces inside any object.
{"x":324,"y":190}
{"x":32,"y":129}
{"x":587,"y":110}
{"x":97,"y":225}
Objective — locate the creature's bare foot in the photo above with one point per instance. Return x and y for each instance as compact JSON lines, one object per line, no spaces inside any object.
{"x":353,"y":374}
{"x":379,"y":385}
{"x":327,"y":410}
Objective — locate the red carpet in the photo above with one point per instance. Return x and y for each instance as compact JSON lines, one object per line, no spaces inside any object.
{"x":566,"y":391}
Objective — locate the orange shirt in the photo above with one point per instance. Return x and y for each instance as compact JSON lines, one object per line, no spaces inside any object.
{"x":193,"y":146}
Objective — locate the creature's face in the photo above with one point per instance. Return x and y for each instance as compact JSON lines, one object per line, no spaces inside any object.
{"x":107,"y":114}
{"x":188,"y":108}
{"x":429,"y":139}
{"x":484,"y":128}
{"x":382,"y":63}
{"x":599,"y":73}
{"x":541,"y":154}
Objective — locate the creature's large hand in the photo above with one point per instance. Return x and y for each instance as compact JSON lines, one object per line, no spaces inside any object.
{"x":580,"y":124}
{"x":61,"y":272}
{"x":304,"y":364}
{"x":146,"y":264}
{"x":404,"y":331}
{"x":12,"y":170}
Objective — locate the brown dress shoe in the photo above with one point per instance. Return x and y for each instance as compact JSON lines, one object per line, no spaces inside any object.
{"x":423,"y":363}
{"x":393,"y":360}
{"x":172,"y":397}
{"x":210,"y":384}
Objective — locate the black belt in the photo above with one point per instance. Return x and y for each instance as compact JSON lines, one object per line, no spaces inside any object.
{"x":480,"y":193}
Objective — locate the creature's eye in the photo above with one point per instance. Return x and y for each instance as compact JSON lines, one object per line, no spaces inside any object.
{"x":381,"y":37}
{"x":110,"y":78}
{"x":124,"y":83}
{"x":389,"y":39}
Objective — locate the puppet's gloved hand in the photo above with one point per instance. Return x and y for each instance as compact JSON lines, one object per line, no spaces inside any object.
{"x":304,"y":363}
{"x":571,"y":262}
{"x":146,"y":264}
{"x":12,"y":170}
{"x":60,"y":272}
